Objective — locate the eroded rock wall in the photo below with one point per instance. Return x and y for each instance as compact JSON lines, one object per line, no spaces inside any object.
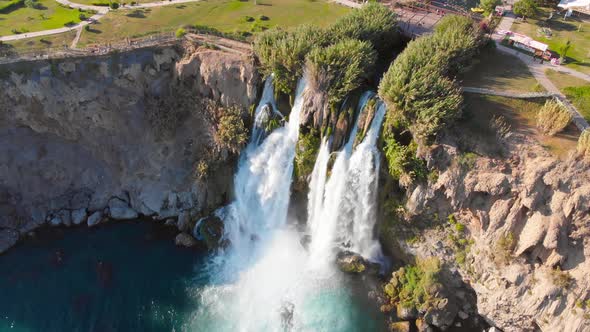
{"x":117,"y":135}
{"x":529,"y":216}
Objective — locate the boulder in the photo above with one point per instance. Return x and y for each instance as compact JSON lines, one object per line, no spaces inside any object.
{"x":79,"y":216}
{"x":210,"y":230}
{"x":441,"y":314}
{"x":120,"y":210}
{"x":8,"y":238}
{"x":94,"y":219}
{"x":422,"y":326}
{"x":351,"y":262}
{"x":183,"y":223}
{"x":399,"y":327}
{"x":406,"y":313}
{"x":185,"y":240}
{"x":55,"y":220}
{"x":66,"y":217}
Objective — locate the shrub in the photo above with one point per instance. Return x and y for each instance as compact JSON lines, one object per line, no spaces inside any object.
{"x":307,"y":150}
{"x":503,"y":249}
{"x":231,"y":132}
{"x":467,"y":160}
{"x":249,"y":19}
{"x":180,"y":33}
{"x":553,"y":117}
{"x":82,"y":17}
{"x":283,"y":53}
{"x":340,"y":68}
{"x":114,"y":5}
{"x":525,"y":7}
{"x":415,"y":286}
{"x":374,"y":23}
{"x":32,"y":4}
{"x":263,"y":18}
{"x":402,"y":162}
{"x":560,"y":278}
{"x":584,"y":145}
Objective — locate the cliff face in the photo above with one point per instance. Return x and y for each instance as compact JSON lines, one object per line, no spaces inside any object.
{"x":528,"y":215}
{"x":118,"y":135}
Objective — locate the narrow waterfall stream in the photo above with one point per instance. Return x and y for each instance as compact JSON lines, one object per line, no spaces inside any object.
{"x":266,"y":280}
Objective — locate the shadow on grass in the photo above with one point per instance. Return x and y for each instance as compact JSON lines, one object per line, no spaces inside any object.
{"x":138,"y":13}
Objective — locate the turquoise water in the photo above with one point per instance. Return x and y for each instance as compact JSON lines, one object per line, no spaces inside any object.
{"x":127,"y":277}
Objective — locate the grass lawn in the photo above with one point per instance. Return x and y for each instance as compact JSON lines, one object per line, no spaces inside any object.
{"x":38,"y":43}
{"x":223,"y":15}
{"x":578,"y":57}
{"x":575,"y":89}
{"x":98,"y":2}
{"x":521,"y":115}
{"x":498,"y":71}
{"x":50,"y":15}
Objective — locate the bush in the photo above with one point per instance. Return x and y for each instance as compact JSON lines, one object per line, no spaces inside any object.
{"x":308,"y":146}
{"x":32,"y":4}
{"x":82,"y":17}
{"x":553,"y":117}
{"x":503,"y":249}
{"x":374,"y":23}
{"x":231,"y":132}
{"x":415,"y":286}
{"x":525,"y":7}
{"x":560,"y":278}
{"x":283,"y":53}
{"x":340,"y":68}
{"x":114,"y":5}
{"x":180,"y":33}
{"x":584,"y":145}
{"x":249,"y":19}
{"x":416,"y":86}
{"x":402,"y":162}
{"x":263,"y":18}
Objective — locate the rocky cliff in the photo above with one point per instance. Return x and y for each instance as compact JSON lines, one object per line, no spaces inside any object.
{"x":117,"y":136}
{"x":513,"y":225}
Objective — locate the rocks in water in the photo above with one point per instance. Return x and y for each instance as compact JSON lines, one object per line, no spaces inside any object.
{"x":120,"y":210}
{"x":351,"y":262}
{"x":55,"y":220}
{"x":79,"y":216}
{"x":185,"y":240}
{"x":8,"y":238}
{"x":406,"y":313}
{"x":210,"y":230}
{"x":170,"y":222}
{"x":95,"y":219}
{"x":183,"y":223}
{"x":399,"y":327}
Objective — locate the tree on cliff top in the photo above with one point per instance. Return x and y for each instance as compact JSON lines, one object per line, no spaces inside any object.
{"x":374,"y":23}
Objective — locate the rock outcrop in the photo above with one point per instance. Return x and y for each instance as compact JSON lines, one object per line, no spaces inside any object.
{"x":122,"y":132}
{"x":528,"y":216}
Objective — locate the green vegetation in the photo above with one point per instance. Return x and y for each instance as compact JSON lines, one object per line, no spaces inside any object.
{"x":373,"y":23}
{"x":415,"y":286}
{"x":307,"y":149}
{"x":502,"y":253}
{"x":37,"y":43}
{"x":488,"y":6}
{"x":560,"y":278}
{"x":180,"y":33}
{"x":575,"y":89}
{"x":8,"y":6}
{"x":403,"y":163}
{"x":457,"y":240}
{"x":584,"y":145}
{"x":553,"y":117}
{"x":499,"y":71}
{"x":224,"y":16}
{"x":417,"y":87}
{"x":44,"y":15}
{"x":573,"y":29}
{"x":283,"y":53}
{"x":336,"y":58}
{"x":340,"y":68}
{"x":525,"y":8}
{"x":232,"y":132}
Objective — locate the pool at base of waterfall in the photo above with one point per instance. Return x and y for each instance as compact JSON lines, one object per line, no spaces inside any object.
{"x":131,"y":277}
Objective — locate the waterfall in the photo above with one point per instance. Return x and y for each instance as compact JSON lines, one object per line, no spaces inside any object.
{"x":266,"y":107}
{"x":324,"y":218}
{"x":363,"y":177}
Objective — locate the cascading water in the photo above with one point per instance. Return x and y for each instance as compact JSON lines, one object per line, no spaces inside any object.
{"x":265,"y":280}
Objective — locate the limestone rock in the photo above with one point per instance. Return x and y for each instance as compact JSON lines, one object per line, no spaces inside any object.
{"x":185,"y":240}
{"x":351,"y":262}
{"x":183,"y":223}
{"x":8,"y":238}
{"x":120,"y":210}
{"x":404,"y":313}
{"x":210,"y":231}
{"x":94,"y":219}
{"x":79,"y":216}
{"x":399,"y":327}
{"x":442,"y":314}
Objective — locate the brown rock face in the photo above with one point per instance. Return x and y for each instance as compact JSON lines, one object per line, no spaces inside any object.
{"x":79,"y":133}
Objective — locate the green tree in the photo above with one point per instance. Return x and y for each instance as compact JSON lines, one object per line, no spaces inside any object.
{"x":564,"y":49}
{"x":525,"y":8}
{"x":488,"y":6}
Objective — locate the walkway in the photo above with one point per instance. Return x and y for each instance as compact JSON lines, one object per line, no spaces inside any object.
{"x":101,"y":11}
{"x":538,"y":71}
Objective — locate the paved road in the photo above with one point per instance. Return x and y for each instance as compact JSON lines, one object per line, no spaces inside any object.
{"x":101,"y":11}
